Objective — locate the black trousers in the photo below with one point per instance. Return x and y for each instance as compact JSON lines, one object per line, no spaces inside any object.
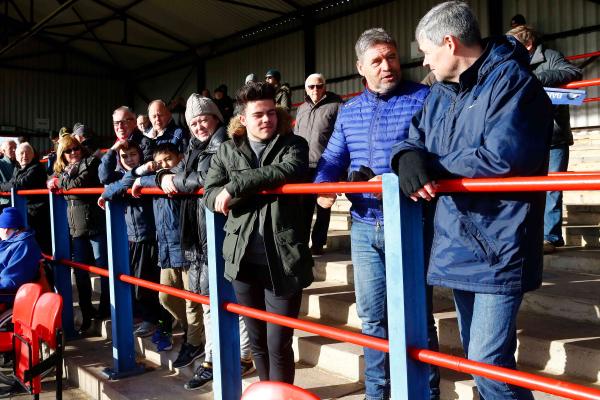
{"x":321,"y":226}
{"x":143,"y":261}
{"x":271,"y":344}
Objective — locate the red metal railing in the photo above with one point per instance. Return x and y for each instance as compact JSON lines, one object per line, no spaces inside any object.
{"x":519,"y":378}
{"x":584,"y":55}
{"x":561,"y":181}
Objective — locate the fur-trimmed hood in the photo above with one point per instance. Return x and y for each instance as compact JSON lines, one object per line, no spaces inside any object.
{"x":284,"y":125}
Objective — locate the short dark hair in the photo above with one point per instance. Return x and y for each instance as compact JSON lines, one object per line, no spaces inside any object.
{"x":166,"y":148}
{"x":128,"y":145}
{"x":254,"y":91}
{"x":517,"y":20}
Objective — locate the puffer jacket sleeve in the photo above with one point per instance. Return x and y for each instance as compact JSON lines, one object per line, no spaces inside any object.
{"x":293,"y":167}
{"x":118,"y":188}
{"x":107,"y":172}
{"x":514,"y":141}
{"x":557,"y":71}
{"x":336,"y":158}
{"x":185,"y":183}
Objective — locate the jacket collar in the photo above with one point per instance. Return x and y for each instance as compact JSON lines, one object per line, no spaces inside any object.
{"x":538,"y":56}
{"x":399,"y":90}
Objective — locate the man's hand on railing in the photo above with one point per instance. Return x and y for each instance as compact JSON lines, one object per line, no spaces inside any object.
{"x":222,"y":202}
{"x":326,"y":200}
{"x":413,"y":176}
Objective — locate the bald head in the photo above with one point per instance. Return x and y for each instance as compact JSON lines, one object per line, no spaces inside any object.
{"x":8,"y":149}
{"x":159,"y":115}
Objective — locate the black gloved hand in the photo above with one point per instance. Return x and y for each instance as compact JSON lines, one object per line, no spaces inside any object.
{"x":412,"y":171}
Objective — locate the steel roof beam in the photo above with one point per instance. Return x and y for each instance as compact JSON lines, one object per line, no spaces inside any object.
{"x":38,"y":27}
{"x":18,"y":12}
{"x":77,"y":23}
{"x":114,"y":42}
{"x":144,"y":24}
{"x":253,"y":7}
{"x":100,"y":43}
{"x":292,"y":4}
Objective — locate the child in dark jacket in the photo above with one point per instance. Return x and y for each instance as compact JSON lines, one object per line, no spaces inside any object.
{"x":174,"y":266}
{"x":141,"y":233}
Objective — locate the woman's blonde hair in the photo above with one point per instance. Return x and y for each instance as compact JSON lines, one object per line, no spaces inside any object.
{"x":64,"y":143}
{"x":524,"y":34}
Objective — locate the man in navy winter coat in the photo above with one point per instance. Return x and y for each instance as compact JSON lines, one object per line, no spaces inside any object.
{"x":487,"y":116}
{"x":366,"y":129}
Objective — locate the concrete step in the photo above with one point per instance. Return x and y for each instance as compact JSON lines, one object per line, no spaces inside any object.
{"x":339,"y":221}
{"x":86,"y":358}
{"x":581,"y":197}
{"x":574,"y":214}
{"x":573,"y":259}
{"x":334,"y":267}
{"x":459,"y":386}
{"x":566,"y":295}
{"x":582,"y":235}
{"x":338,"y":240}
{"x":342,"y":204}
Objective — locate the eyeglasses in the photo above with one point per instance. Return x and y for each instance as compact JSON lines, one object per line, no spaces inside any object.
{"x":122,"y":122}
{"x":318,"y":86}
{"x":72,"y":149}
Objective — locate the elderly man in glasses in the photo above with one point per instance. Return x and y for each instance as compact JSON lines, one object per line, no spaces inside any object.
{"x":314,"y":122}
{"x":125,"y":127}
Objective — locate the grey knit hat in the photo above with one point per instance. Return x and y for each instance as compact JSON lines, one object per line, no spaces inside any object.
{"x":199,"y":105}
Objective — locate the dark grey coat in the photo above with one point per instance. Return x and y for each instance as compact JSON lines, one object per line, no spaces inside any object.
{"x":315,"y":122}
{"x":553,"y":70}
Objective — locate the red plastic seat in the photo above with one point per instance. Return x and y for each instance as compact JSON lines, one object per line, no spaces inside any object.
{"x":25,"y":301}
{"x":45,"y":327}
{"x":276,"y":391}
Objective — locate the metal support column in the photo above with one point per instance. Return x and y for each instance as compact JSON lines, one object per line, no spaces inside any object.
{"x":405,"y":275}
{"x":120,"y":295}
{"x":61,"y":249}
{"x":227,"y":378}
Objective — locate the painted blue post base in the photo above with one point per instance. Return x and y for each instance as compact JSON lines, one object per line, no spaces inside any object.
{"x":227,"y":377}
{"x":405,"y":277}
{"x":112,"y":375}
{"x":61,"y":249}
{"x":123,"y":344}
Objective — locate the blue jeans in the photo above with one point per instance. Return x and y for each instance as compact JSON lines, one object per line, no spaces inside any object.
{"x":558,"y":162}
{"x":488,"y":333}
{"x":368,"y":258}
{"x":91,"y":250}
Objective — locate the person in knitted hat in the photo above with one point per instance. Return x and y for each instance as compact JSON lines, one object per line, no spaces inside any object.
{"x":19,"y":254}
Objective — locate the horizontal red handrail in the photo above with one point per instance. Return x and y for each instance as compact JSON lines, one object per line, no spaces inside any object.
{"x":581,"y":84}
{"x":591,"y":99}
{"x":507,"y":375}
{"x":563,"y":181}
{"x":584,"y":55}
{"x":523,"y":379}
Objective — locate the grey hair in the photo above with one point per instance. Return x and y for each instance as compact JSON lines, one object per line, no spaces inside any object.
{"x":371,"y":37}
{"x":453,"y":18}
{"x":26,"y":144}
{"x":125,"y":109}
{"x":316,"y":75}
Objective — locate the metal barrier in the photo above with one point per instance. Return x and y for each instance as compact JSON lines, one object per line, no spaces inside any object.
{"x":405,"y":287}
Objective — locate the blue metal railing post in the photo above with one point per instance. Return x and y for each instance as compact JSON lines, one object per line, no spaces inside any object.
{"x":405,"y":276}
{"x":120,"y":294}
{"x":61,"y":249}
{"x":227,"y":377}
{"x":20,"y":203}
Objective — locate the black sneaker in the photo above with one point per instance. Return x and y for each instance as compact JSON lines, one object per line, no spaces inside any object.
{"x":187,"y":355}
{"x":203,"y":375}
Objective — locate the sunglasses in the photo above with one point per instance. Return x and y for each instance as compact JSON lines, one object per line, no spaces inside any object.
{"x":319,"y":86}
{"x":72,"y":149}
